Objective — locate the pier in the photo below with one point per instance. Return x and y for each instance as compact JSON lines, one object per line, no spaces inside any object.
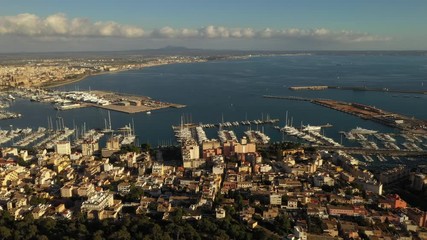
{"x":395,"y":120}
{"x":227,"y":124}
{"x":356,"y":88}
{"x":289,"y":98}
{"x":120,"y":102}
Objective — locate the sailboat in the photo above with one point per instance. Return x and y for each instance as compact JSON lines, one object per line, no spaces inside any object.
{"x":107,"y":128}
{"x":128,"y":134}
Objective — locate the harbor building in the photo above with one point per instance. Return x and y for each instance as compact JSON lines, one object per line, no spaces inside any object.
{"x":63,"y":148}
{"x":89,"y":148}
{"x":112,"y":146}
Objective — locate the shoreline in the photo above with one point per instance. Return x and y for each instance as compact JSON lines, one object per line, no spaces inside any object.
{"x":80,"y":78}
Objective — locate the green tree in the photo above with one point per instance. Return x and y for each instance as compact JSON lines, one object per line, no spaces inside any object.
{"x":5,"y":232}
{"x":98,"y":235}
{"x":47,"y":225}
{"x":284,"y":223}
{"x":134,"y":195}
{"x":146,"y":147}
{"x":122,"y":234}
{"x":42,"y":237}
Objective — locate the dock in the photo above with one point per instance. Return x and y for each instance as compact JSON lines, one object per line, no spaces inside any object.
{"x":227,"y":124}
{"x":128,"y":103}
{"x":114,"y":101}
{"x":134,"y":109}
{"x":356,"y":88}
{"x":395,"y":120}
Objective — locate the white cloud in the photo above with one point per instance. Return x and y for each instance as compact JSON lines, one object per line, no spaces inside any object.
{"x":59,"y":26}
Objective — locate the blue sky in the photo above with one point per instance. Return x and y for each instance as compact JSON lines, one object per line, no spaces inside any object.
{"x":54,"y":25}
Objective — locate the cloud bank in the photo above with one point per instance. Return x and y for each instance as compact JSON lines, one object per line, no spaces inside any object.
{"x":60,"y":26}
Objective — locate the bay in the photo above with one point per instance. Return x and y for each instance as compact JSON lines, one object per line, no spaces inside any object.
{"x":233,"y":90}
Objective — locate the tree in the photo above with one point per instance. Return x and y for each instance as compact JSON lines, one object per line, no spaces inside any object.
{"x":5,"y":232}
{"x":47,"y":225}
{"x":37,"y":200}
{"x":207,"y":226}
{"x":122,"y":234}
{"x":283,"y":223}
{"x":42,"y":237}
{"x":221,"y":235}
{"x":146,"y":147}
{"x":134,"y":195}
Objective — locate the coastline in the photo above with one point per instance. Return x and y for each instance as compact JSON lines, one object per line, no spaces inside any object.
{"x":80,"y":78}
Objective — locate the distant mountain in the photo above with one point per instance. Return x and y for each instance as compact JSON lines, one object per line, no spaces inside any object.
{"x":177,"y":50}
{"x":184,"y":51}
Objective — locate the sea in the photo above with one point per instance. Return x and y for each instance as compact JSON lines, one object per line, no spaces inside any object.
{"x":232,"y":90}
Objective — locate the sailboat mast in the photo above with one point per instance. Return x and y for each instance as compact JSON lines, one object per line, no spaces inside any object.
{"x":286,"y":119}
{"x":109,"y":120}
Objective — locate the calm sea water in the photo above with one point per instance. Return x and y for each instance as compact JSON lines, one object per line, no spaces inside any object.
{"x":233,"y":90}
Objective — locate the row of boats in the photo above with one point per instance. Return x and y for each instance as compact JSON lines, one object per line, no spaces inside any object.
{"x":54,"y":138}
{"x":310,"y":134}
{"x":185,"y":133}
{"x":257,"y":137}
{"x":201,"y":135}
{"x":389,"y":142}
{"x":237,"y":123}
{"x":60,"y":98}
{"x":8,"y":135}
{"x":227,"y":135}
{"x":9,"y":115}
{"x":47,"y":138}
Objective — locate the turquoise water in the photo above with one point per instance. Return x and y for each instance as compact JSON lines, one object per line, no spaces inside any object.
{"x":233,"y":89}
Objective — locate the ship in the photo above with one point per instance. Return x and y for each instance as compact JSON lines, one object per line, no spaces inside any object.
{"x":309,"y":128}
{"x":360,"y":130}
{"x":11,"y":97}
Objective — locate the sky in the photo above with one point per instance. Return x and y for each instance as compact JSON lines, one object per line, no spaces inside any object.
{"x":95,"y":25}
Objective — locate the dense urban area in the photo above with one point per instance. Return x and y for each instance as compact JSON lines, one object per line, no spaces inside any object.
{"x":230,"y":188}
{"x":58,"y":71}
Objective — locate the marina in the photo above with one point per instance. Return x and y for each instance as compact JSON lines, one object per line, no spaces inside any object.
{"x":67,"y":100}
